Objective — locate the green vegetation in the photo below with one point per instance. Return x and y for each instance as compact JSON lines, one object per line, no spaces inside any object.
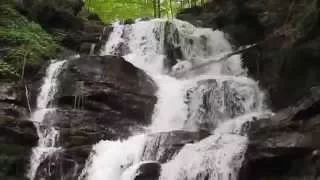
{"x":111,"y":10}
{"x":24,"y":42}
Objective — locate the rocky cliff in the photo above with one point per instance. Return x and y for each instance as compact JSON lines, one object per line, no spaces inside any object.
{"x":286,"y":64}
{"x":17,"y":133}
{"x":287,"y":34}
{"x":108,"y":98}
{"x":32,"y":32}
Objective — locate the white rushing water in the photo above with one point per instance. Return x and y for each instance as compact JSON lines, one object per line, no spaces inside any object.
{"x":46,"y":133}
{"x":218,"y":96}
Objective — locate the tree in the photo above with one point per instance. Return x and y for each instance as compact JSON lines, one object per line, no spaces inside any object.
{"x":111,"y":10}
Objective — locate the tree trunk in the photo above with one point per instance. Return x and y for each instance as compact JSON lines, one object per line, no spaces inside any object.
{"x":171,"y":9}
{"x":159,"y":8}
{"x":155,"y":8}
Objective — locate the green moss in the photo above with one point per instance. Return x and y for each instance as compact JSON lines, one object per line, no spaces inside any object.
{"x":23,"y":40}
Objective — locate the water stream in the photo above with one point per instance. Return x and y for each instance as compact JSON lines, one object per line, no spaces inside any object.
{"x":47,"y":134}
{"x":219,"y":97}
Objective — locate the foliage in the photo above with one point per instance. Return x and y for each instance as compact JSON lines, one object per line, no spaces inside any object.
{"x":23,"y":41}
{"x":110,"y":10}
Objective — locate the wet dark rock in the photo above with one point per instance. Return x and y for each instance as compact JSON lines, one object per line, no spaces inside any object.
{"x":286,"y":66}
{"x":285,"y":74}
{"x":173,"y":52}
{"x":63,"y":21}
{"x":282,"y":146}
{"x":66,"y":163}
{"x":211,"y":101}
{"x":90,"y":32}
{"x":12,"y":93}
{"x":129,"y":21}
{"x":288,"y":45}
{"x":230,"y":16}
{"x":148,"y":171}
{"x":104,"y":70}
{"x":17,"y":134}
{"x":86,"y":48}
{"x":85,"y":127}
{"x":162,"y":147}
{"x":99,"y":97}
{"x":103,"y":39}
{"x":285,"y":63}
{"x":63,"y":164}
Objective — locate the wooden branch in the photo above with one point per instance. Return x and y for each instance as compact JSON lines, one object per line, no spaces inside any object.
{"x":224,"y":58}
{"x":24,"y":65}
{"x":27,"y":97}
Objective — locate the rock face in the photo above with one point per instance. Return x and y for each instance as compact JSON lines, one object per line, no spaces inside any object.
{"x":62,"y":18}
{"x":17,"y":134}
{"x":163,"y":146}
{"x":282,"y":147}
{"x":288,"y":50}
{"x":287,"y":74}
{"x":213,"y":101}
{"x":98,"y":98}
{"x":286,"y":64}
{"x":109,"y":98}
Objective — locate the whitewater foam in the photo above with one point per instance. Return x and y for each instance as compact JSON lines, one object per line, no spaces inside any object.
{"x":47,"y":135}
{"x":145,"y":44}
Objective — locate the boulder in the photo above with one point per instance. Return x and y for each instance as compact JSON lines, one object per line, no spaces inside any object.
{"x":148,"y":171}
{"x":282,"y":147}
{"x":98,"y":97}
{"x":102,"y":98}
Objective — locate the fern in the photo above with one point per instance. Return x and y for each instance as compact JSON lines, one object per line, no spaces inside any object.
{"x":25,"y":39}
{"x":7,"y":71}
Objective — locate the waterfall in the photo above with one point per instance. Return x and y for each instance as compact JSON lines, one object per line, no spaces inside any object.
{"x":47,"y":134}
{"x":218,"y":97}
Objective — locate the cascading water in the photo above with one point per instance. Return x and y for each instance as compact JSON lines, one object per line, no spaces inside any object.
{"x":46,"y":133}
{"x":218,"y":97}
